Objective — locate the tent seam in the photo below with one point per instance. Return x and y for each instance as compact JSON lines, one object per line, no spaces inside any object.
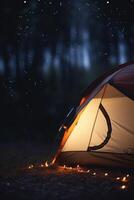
{"x":96,"y":116}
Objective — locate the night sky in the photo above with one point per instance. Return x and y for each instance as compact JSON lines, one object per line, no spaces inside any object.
{"x":117,"y":14}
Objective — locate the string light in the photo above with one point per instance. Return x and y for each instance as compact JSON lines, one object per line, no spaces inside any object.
{"x":123,"y":187}
{"x":124,"y":179}
{"x":118,"y":178}
{"x":30,"y":166}
{"x":82,"y":170}
{"x":106,"y":174}
{"x":46,"y":164}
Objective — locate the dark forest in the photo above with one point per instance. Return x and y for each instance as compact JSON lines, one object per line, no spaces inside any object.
{"x":50,"y":51}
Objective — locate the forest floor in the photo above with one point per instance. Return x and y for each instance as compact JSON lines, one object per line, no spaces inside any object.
{"x":37,"y":182}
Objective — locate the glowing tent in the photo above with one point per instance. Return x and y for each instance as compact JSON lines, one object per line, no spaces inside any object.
{"x":100,"y":129}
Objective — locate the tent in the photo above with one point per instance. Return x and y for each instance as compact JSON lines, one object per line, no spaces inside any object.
{"x":99,"y":131}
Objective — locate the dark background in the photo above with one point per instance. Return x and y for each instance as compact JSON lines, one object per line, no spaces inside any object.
{"x":49,"y":52}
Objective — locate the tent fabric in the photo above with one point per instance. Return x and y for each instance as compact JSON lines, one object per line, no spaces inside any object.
{"x":96,"y":159}
{"x":124,"y":81}
{"x":109,"y":77}
{"x":102,"y":130}
{"x":120,"y":110}
{"x":78,"y":141}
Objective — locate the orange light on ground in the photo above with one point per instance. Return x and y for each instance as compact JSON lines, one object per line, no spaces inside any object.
{"x":123,"y":187}
{"x":124,"y":179}
{"x":46,"y":164}
{"x":80,"y":171}
{"x":118,"y":178}
{"x":30,"y":166}
{"x":106,"y":174}
{"x":78,"y":166}
{"x":53,"y":161}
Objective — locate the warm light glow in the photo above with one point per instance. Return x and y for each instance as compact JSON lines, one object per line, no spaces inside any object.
{"x":46,"y":164}
{"x":124,"y":179}
{"x":82,"y":170}
{"x":53,"y":161}
{"x":118,"y":178}
{"x":106,"y":174}
{"x":64,"y":127}
{"x":79,"y":169}
{"x":78,"y":166}
{"x":30,"y":166}
{"x":123,"y":187}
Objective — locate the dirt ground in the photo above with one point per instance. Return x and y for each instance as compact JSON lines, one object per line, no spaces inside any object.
{"x":17,"y":181}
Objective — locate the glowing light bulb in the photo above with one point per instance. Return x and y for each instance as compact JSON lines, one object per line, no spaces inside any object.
{"x":124,"y":179}
{"x":64,"y":127}
{"x":123,"y":187}
{"x":94,"y":173}
{"x":42,"y":165}
{"x":118,"y":178}
{"x":30,"y":166}
{"x":106,"y":174}
{"x":46,"y":164}
{"x":127,"y":175}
